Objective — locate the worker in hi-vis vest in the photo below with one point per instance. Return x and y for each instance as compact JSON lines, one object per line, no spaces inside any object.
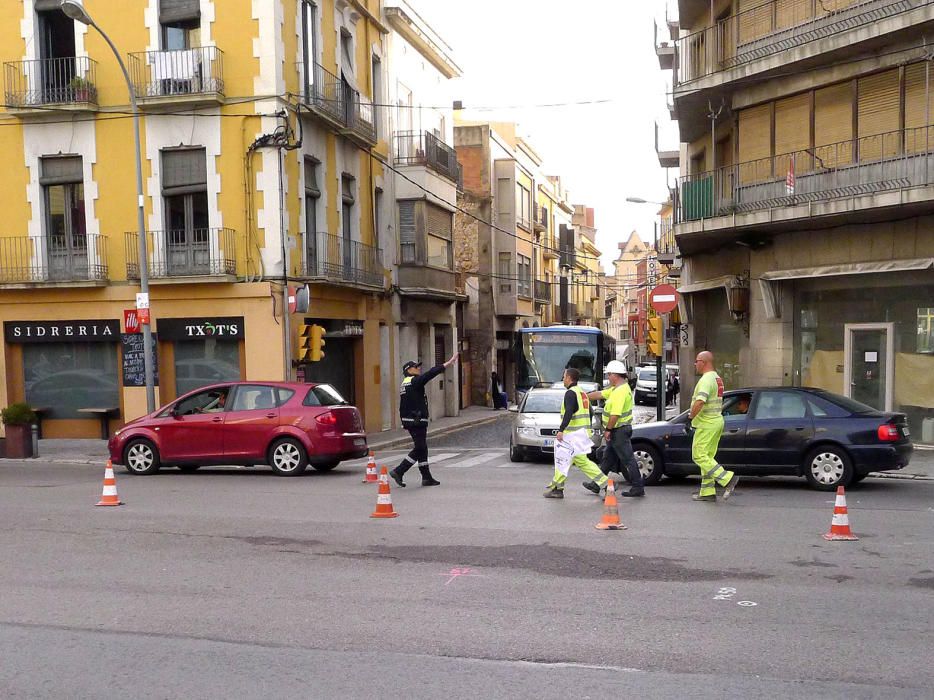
{"x":707,"y":424}
{"x":575,"y":416}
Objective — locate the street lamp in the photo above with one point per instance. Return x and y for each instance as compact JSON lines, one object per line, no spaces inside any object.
{"x":75,"y":10}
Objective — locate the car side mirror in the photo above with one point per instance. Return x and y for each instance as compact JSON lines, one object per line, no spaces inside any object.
{"x":513,"y":409}
{"x":175,"y":412}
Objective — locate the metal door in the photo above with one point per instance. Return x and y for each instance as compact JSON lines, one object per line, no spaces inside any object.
{"x":868,"y":368}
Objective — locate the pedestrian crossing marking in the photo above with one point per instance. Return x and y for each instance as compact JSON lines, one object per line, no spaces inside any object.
{"x":476,"y":460}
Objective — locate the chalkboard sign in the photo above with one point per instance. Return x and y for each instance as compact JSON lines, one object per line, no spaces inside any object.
{"x":134,"y":372}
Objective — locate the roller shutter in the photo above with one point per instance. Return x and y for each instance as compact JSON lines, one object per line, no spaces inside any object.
{"x":755,"y":20}
{"x":833,"y":124}
{"x":877,"y":116}
{"x":791,"y":13}
{"x":793,"y":133}
{"x":755,"y":144}
{"x":179,"y":11}
{"x":916,"y":137}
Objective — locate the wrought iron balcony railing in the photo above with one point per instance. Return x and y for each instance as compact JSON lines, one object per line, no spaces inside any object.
{"x":539,"y":217}
{"x":774,"y":26}
{"x":195,"y":71}
{"x":423,"y":148}
{"x":200,"y":252}
{"x":53,"y":258}
{"x":890,"y":161}
{"x":335,"y":259}
{"x":542,"y":291}
{"x":51,"y":81}
{"x":360,"y":117}
{"x":324,"y":92}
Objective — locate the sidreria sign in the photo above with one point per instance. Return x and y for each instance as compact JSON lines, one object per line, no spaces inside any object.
{"x":227,"y":327}
{"x":61,"y":331}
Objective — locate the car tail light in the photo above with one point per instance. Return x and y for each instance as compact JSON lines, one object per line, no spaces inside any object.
{"x":327,"y":418}
{"x":888,"y":432}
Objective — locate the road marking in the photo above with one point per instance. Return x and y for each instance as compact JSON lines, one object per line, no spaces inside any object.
{"x":457,"y":571}
{"x":476,"y":460}
{"x":432,"y":459}
{"x":747,"y":603}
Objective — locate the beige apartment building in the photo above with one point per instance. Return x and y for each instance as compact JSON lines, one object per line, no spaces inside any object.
{"x":805,"y":206}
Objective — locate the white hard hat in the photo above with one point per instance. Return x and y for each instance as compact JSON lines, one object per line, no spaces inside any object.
{"x":616,"y":367}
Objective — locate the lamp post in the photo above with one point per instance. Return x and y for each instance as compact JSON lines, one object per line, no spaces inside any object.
{"x":75,"y":10}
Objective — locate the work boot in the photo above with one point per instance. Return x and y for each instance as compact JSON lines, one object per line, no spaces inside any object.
{"x":728,"y":489}
{"x":427,"y":478}
{"x":554,"y":492}
{"x":698,"y":497}
{"x":634,"y":493}
{"x":592,"y":486}
{"x":397,"y":477}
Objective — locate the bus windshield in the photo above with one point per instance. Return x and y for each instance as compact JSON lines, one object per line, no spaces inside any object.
{"x":543,"y":357}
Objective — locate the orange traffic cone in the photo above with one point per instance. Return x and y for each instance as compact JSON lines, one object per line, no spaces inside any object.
{"x":109,"y":495}
{"x":383,"y":499}
{"x":610,"y":520}
{"x":371,"y":477}
{"x":840,"y":525}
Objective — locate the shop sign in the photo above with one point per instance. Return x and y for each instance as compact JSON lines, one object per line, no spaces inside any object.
{"x":131,"y":321}
{"x":61,"y":331}
{"x":227,"y":327}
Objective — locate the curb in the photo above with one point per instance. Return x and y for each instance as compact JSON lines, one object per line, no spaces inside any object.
{"x":904,"y":477}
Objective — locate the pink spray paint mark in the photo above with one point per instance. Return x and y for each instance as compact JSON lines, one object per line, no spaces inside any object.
{"x":457,"y":571}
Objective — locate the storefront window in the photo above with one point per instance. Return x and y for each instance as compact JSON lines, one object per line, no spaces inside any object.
{"x":926,"y":330}
{"x":63,"y":377}
{"x":202,"y":362}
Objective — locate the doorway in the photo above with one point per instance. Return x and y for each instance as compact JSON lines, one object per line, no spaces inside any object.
{"x":869,"y":363}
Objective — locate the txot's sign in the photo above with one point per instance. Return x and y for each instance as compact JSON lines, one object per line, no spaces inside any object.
{"x":227,"y":327}
{"x":61,"y":331}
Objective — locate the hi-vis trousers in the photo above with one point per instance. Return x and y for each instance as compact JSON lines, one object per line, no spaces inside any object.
{"x":704,"y":453}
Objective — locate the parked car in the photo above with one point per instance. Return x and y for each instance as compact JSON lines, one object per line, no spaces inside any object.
{"x":285,"y":425}
{"x":537,"y":421}
{"x":829,"y":439}
{"x":645,"y":388}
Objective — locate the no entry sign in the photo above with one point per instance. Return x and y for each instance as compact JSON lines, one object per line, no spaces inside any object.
{"x":663,"y":298}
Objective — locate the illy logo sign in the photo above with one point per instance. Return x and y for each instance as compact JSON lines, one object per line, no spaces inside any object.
{"x":131,"y":321}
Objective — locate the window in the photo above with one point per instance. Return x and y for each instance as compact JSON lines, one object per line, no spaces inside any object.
{"x":376,"y":70}
{"x":185,"y":196}
{"x":312,"y":196}
{"x":346,"y":50}
{"x":377,"y":208}
{"x":65,"y":224}
{"x":440,"y":222}
{"x":780,"y":404}
{"x":347,"y":213}
{"x":524,"y":265}
{"x":323,"y":395}
{"x":926,"y":330}
{"x":252,"y":397}
{"x":505,"y":272}
{"x":63,"y":377}
{"x":737,"y":405}
{"x":181,"y":24}
{"x":210,"y":401}
{"x":407,"y":232}
{"x":524,"y":206}
{"x":56,"y":40}
{"x":309,"y":44}
{"x":202,"y":362}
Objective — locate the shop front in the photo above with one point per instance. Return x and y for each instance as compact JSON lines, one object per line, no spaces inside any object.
{"x":198,"y":351}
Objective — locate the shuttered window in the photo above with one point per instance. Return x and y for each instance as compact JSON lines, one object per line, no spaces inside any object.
{"x":177,"y":11}
{"x":439,"y":223}
{"x":408,"y":232}
{"x":917,"y":138}
{"x":833,"y":125}
{"x":755,"y":20}
{"x":793,"y":134}
{"x":48,"y":5}
{"x":311,"y":177}
{"x":755,"y":144}
{"x":183,"y":171}
{"x":61,"y":171}
{"x":877,"y":116}
{"x":791,"y":13}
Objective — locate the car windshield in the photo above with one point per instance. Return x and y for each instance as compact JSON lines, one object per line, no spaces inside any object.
{"x":846,"y":403}
{"x":324,"y":395}
{"x":549,"y":402}
{"x":647,"y":375}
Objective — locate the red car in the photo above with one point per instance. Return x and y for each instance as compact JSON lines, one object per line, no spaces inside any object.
{"x":287,"y":426}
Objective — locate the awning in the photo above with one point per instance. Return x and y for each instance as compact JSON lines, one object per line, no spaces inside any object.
{"x":772,"y":290}
{"x":725,"y":282}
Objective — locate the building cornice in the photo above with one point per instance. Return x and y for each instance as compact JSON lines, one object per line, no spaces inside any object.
{"x":417,"y":36}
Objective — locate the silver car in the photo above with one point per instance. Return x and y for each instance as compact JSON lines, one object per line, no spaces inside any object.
{"x":537,"y":422}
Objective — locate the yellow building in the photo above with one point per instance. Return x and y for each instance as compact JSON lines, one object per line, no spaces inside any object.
{"x":589,"y":292}
{"x":261,"y":146}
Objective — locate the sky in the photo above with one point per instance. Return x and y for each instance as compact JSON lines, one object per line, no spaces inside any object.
{"x":522,"y":53}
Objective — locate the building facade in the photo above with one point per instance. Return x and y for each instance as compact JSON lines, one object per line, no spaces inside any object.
{"x":262,"y":159}
{"x":804,"y":211}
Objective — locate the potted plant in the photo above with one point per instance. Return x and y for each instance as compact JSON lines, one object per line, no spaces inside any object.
{"x":18,"y":419}
{"x":81,"y":89}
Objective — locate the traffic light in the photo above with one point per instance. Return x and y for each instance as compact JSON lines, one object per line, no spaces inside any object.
{"x":310,"y":342}
{"x":656,"y":340}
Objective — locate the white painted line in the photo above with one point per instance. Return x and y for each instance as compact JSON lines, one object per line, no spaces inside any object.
{"x":476,"y":460}
{"x":433,"y":459}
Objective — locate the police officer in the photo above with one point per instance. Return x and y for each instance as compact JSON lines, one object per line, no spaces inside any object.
{"x":617,"y":431}
{"x":413,"y":409}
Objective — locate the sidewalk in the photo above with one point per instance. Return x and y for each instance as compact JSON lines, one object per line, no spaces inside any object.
{"x":69,"y":451}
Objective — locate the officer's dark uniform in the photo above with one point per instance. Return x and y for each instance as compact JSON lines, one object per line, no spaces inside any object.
{"x":413,"y":409}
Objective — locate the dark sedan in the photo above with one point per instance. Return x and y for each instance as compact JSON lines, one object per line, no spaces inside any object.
{"x":829,"y":439}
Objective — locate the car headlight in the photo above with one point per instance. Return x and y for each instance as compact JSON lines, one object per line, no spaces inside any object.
{"x":526,"y":430}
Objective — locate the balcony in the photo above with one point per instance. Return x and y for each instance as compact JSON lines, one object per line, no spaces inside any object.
{"x":336,"y":260}
{"x":550,"y":247}
{"x":665,"y":50}
{"x":193,"y":75}
{"x":62,"y":83}
{"x":417,"y":148}
{"x":416,"y":280}
{"x":28,"y":260}
{"x":539,"y":218}
{"x":542,"y":292}
{"x":836,"y":182}
{"x":360,"y":119}
{"x":198,"y":253}
{"x":567,"y":256}
{"x":667,"y":158}
{"x":667,"y":247}
{"x":338,"y":105}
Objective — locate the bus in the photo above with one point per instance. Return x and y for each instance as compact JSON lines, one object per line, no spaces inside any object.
{"x":542,"y":355}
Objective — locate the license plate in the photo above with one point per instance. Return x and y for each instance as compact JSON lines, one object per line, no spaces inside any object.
{"x":906,"y":431}
{"x":359,"y":442}
{"x":548,"y":443}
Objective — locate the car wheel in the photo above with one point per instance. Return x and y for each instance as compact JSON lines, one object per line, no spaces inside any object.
{"x":325,"y":466}
{"x":188,"y":468}
{"x":650,"y":462}
{"x":828,"y":467}
{"x":287,"y":457}
{"x":516,"y":453}
{"x":141,"y":457}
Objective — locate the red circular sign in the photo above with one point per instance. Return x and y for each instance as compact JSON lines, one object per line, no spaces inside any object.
{"x":663,"y":298}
